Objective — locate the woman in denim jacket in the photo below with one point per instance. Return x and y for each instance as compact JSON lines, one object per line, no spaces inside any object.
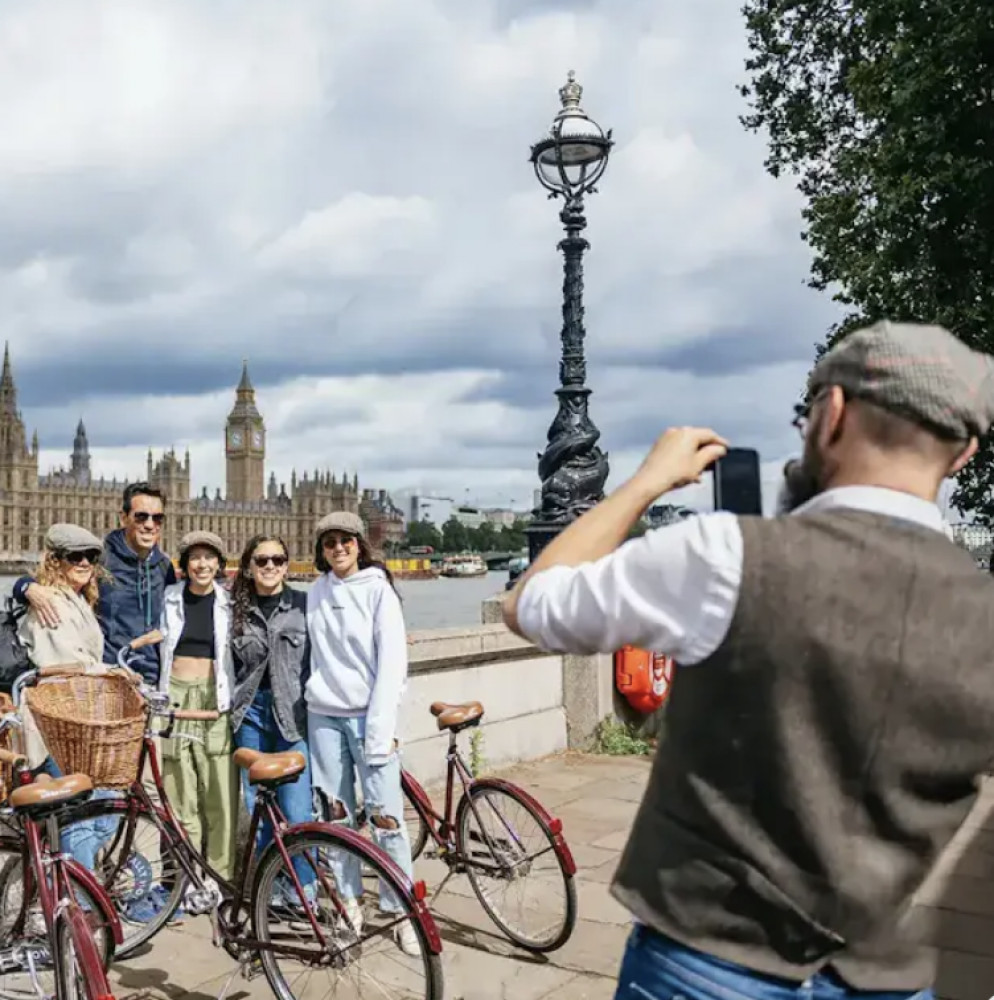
{"x":272,"y":662}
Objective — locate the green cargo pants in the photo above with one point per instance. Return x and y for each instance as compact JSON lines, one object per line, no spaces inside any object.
{"x":199,"y":777}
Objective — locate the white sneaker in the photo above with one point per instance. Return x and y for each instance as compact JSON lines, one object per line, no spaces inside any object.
{"x":353,"y":910}
{"x":407,"y":939}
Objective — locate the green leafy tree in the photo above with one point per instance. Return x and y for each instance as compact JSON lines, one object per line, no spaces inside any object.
{"x":513,"y":538}
{"x":454,"y":538}
{"x":421,"y":533}
{"x":883,"y":111}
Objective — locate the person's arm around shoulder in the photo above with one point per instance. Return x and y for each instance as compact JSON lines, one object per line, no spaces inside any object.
{"x":45,"y":644}
{"x":673,"y":590}
{"x":42,"y":600}
{"x":390,"y":643}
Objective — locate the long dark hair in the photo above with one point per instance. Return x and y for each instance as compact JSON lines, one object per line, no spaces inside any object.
{"x":243,"y":589}
{"x":366,"y":558}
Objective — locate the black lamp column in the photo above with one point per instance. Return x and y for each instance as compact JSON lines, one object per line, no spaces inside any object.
{"x":573,"y":469}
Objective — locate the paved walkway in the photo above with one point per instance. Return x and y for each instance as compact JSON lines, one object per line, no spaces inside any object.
{"x":596,"y":797}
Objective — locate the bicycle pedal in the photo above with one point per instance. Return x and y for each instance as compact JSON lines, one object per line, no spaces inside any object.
{"x":250,"y":966}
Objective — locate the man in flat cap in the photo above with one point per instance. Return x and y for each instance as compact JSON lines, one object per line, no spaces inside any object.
{"x":833,"y":707}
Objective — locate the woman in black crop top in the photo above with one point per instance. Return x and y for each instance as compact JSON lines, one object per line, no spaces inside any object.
{"x":199,"y":775}
{"x":271,"y":662}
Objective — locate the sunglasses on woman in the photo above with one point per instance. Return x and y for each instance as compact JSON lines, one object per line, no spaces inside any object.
{"x":263,"y":561}
{"x":92,"y":556}
{"x":330,"y":541}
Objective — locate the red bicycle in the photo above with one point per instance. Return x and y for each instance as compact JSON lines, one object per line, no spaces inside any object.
{"x":60,"y":939}
{"x":513,"y":852}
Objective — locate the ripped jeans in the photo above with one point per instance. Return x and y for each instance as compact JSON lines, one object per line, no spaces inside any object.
{"x":658,"y":968}
{"x":337,"y":756}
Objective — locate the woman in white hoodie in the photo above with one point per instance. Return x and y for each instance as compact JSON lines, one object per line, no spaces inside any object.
{"x":358,"y":675}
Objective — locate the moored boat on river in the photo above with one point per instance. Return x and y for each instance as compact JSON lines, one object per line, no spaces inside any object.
{"x":464,"y":565}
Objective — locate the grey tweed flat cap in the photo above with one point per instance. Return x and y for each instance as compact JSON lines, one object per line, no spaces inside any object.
{"x":341,"y":520}
{"x":71,"y":538}
{"x":919,"y":372}
{"x":206,"y":538}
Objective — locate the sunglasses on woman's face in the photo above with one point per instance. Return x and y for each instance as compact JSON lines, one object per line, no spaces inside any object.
{"x":92,"y":556}
{"x":263,"y":561}
{"x":331,"y":541}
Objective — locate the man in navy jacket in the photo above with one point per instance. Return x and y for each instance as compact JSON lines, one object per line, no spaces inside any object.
{"x":138,"y":574}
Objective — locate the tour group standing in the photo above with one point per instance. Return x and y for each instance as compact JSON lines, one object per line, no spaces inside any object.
{"x":321,"y":672}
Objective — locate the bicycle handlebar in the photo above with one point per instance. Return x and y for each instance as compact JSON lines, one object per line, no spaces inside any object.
{"x":195,"y":715}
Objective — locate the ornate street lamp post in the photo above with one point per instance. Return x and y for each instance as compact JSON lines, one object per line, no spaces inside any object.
{"x":568,"y":163}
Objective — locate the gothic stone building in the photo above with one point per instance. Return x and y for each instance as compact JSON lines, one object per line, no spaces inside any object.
{"x":30,"y":502}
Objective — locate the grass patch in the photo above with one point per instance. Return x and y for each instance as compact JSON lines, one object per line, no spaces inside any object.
{"x":620,"y":739}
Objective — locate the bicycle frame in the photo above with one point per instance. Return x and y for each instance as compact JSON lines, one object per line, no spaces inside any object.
{"x":441,"y":827}
{"x":56,"y":897}
{"x":266,"y":808}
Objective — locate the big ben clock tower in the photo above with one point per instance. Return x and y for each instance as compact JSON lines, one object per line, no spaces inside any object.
{"x":245,"y":446}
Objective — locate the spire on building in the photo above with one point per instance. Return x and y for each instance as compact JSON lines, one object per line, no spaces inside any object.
{"x":80,"y":458}
{"x":8,"y":391}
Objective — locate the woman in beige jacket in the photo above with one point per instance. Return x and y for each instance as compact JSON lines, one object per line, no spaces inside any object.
{"x":70,"y":566}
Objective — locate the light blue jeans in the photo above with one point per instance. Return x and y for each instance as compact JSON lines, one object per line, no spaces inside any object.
{"x":337,"y":756}
{"x":657,"y":968}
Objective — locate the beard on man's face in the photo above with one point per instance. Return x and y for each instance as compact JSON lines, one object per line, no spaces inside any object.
{"x":802,"y":479}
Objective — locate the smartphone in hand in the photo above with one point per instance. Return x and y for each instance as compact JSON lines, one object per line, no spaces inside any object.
{"x":737,"y":486}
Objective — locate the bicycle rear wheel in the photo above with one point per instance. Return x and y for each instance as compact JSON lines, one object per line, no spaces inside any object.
{"x":36,"y":967}
{"x":514,"y":869}
{"x":79,"y":972}
{"x":360,"y":956}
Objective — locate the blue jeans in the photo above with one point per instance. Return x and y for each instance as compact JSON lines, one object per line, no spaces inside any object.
{"x":259,"y":731}
{"x":657,"y":968}
{"x":84,"y":839}
{"x":337,"y":755}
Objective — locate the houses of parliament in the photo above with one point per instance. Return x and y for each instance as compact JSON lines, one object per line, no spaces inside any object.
{"x":30,"y":502}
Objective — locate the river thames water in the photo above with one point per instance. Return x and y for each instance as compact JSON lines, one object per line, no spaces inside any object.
{"x":441,"y":603}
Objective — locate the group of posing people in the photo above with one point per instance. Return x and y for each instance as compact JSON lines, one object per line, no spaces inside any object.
{"x":321,"y":672}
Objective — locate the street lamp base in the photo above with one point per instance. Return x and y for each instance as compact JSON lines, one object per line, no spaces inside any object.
{"x":539,"y":535}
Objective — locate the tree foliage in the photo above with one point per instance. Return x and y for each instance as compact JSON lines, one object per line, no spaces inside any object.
{"x":883,"y":111}
{"x":456,"y":537}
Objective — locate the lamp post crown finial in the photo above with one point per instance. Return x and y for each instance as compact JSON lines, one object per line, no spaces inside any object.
{"x":571,"y":92}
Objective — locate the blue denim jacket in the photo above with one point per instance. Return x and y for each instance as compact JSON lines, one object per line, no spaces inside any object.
{"x":282,"y":647}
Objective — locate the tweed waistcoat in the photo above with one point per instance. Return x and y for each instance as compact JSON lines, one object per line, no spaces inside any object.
{"x":814,"y":767}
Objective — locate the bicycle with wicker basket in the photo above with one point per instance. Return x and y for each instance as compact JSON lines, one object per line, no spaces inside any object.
{"x":284,"y":914}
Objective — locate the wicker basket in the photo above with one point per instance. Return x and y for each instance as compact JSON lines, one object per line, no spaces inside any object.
{"x":91,"y":724}
{"x":6,"y":771}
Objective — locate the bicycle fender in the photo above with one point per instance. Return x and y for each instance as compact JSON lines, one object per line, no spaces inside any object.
{"x":555,"y":825}
{"x":99,"y":894}
{"x":413,"y":892}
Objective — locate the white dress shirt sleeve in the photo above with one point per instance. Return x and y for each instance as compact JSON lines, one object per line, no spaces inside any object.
{"x":672,"y":591}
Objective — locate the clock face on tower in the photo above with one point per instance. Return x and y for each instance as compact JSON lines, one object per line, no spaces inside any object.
{"x":236,"y":439}
{"x":257,"y":439}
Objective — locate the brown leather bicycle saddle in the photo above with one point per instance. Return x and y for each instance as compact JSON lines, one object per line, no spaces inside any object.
{"x":457,"y":716}
{"x":43,"y":794}
{"x":269,"y":768}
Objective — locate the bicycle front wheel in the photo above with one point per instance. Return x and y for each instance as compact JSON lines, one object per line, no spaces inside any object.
{"x":514,"y":868}
{"x":364,"y":954}
{"x":123,"y":847}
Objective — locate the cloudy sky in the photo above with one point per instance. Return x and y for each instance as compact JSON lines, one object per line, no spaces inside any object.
{"x":340,"y":192}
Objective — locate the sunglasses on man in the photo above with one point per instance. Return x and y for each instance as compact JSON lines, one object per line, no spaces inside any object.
{"x":143,"y":517}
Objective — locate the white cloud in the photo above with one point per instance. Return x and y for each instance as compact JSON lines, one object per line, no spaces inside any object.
{"x":341,"y":192}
